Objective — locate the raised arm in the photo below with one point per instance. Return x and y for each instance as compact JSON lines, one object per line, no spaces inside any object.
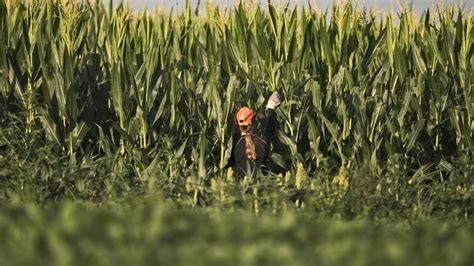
{"x":270,"y":124}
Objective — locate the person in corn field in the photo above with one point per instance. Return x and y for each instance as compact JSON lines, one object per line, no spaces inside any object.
{"x":250,"y":151}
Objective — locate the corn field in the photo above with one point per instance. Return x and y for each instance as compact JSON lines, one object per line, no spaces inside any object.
{"x":100,"y":101}
{"x":116,"y":124}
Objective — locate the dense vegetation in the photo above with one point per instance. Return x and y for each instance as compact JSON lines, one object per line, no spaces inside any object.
{"x":131,"y":113}
{"x":101,"y":102}
{"x":156,"y":233}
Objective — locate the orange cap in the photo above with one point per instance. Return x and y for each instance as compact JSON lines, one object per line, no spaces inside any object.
{"x":244,"y":116}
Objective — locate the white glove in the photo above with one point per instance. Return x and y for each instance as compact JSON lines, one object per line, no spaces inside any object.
{"x":273,"y":101}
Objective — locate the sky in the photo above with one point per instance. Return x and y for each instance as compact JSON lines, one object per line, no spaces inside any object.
{"x":419,"y":5}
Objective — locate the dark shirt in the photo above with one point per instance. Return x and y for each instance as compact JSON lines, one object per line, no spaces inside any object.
{"x":238,"y":159}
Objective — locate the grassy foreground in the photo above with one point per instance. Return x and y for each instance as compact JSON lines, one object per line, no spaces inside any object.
{"x":158,"y":233}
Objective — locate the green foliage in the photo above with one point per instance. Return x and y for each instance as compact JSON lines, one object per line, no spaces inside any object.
{"x":103,"y":102}
{"x":151,"y":233}
{"x":132,"y":113}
